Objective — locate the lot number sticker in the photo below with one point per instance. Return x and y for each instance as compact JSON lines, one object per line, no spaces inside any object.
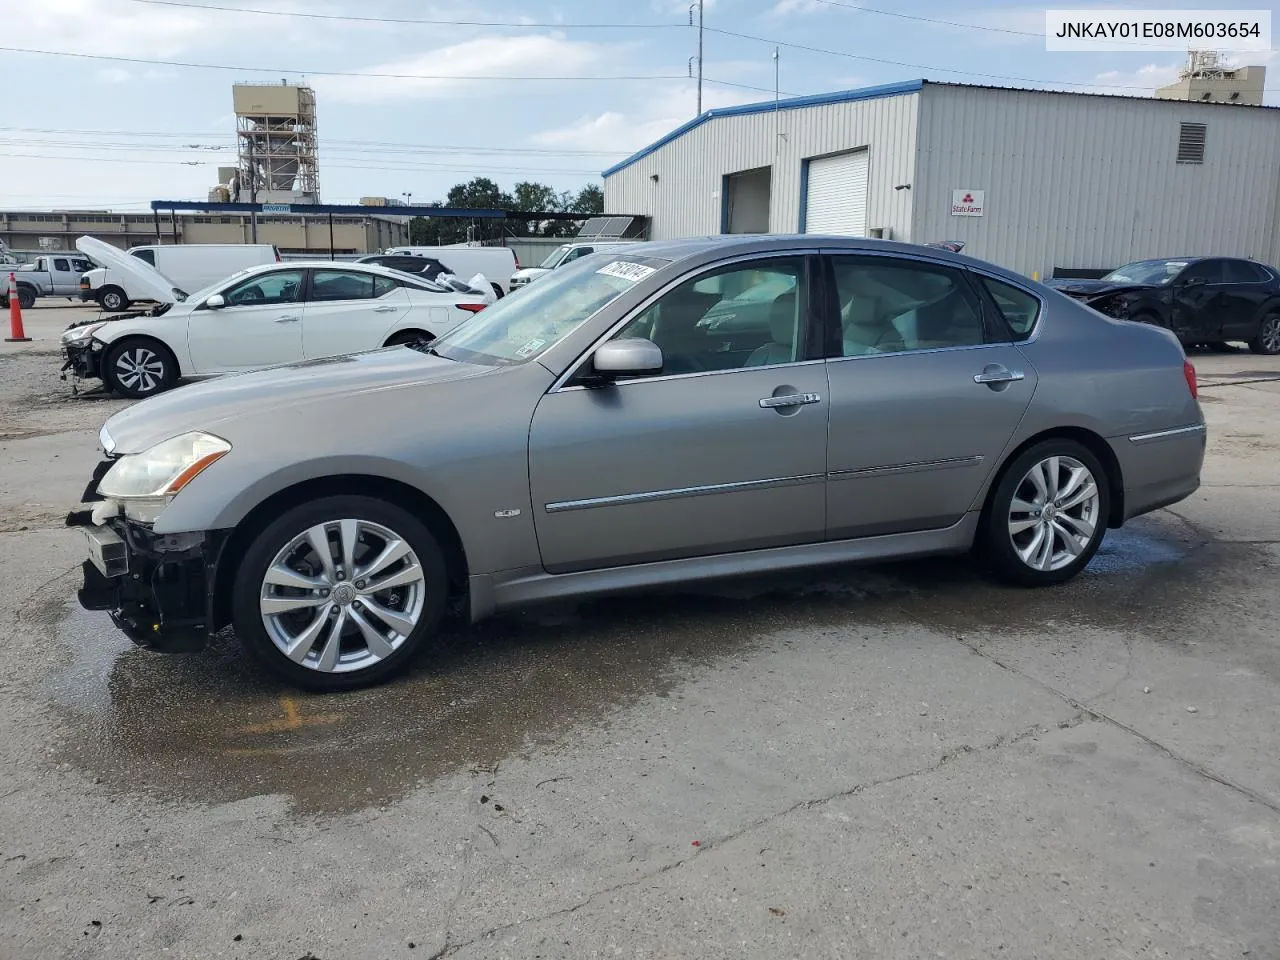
{"x":635,"y":272}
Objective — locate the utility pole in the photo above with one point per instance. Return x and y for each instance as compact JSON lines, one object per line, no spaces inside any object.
{"x":698,"y":4}
{"x":253,"y":193}
{"x":777,"y":118}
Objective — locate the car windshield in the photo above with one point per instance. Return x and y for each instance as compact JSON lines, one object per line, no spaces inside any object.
{"x":523,"y":325}
{"x":1147,"y":271}
{"x":554,"y":257}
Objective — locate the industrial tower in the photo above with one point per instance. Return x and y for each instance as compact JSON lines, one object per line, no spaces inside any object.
{"x":276,"y":135}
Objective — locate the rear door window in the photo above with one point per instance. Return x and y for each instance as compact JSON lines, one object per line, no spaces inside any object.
{"x":1242,"y":271}
{"x":60,"y":264}
{"x":1020,"y":309}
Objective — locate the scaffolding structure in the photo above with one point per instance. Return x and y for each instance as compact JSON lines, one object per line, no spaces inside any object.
{"x":277,"y":143}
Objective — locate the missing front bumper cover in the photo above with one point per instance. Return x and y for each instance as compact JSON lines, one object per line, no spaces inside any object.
{"x":165,"y":599}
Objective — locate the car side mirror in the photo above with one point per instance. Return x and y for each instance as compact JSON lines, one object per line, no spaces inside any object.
{"x":629,"y":357}
{"x":1193,"y":282}
{"x":215,"y":302}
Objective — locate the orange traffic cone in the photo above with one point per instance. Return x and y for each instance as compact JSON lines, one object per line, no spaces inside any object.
{"x":16,"y":333}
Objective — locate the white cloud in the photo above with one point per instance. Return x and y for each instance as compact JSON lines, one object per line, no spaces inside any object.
{"x":112,"y":75}
{"x":784,"y":8}
{"x":112,"y":28}
{"x":1135,"y":83}
{"x":662,"y":110}
{"x":524,"y":56}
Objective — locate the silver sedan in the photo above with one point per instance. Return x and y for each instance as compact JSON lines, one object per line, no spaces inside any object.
{"x":654,"y":414}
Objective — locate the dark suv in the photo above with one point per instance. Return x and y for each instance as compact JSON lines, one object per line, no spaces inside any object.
{"x":1204,"y":300}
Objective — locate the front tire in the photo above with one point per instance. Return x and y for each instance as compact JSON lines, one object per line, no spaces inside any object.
{"x":340,"y":593}
{"x":1267,"y":342}
{"x":497,"y":291}
{"x":1047,"y":515}
{"x":112,"y":299}
{"x":26,"y":298}
{"x":137,"y":368}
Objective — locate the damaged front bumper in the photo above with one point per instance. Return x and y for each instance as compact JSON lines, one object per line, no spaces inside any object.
{"x":159,"y":589}
{"x":83,"y":359}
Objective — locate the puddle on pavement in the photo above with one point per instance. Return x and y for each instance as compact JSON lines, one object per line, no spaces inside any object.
{"x":211,"y":727}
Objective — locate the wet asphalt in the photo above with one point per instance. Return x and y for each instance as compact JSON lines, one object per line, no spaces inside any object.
{"x":905,"y":760}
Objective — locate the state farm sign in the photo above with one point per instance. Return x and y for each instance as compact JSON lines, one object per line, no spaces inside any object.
{"x":968,"y":203}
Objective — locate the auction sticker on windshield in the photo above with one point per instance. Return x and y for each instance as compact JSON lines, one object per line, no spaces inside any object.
{"x":624,"y":270}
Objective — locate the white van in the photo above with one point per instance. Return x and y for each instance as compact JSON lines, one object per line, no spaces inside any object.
{"x":565,"y":253}
{"x":188,"y":266}
{"x":496,"y":263}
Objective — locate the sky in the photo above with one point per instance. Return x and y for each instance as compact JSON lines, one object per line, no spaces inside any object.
{"x":126,"y":101}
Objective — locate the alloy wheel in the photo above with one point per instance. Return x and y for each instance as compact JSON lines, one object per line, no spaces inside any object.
{"x":140,"y":369}
{"x":342,"y":596}
{"x":1054,"y":513}
{"x":1269,"y":335}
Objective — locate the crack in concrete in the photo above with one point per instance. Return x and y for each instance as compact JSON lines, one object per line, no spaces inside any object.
{"x":1197,"y":768}
{"x":999,"y":743}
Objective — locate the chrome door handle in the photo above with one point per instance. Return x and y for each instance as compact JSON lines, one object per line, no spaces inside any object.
{"x":1000,"y":375}
{"x":289,"y":319}
{"x":790,"y":400}
{"x":385,"y":309}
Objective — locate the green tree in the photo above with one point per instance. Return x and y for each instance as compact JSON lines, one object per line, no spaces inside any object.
{"x":590,"y":199}
{"x":527,"y":195}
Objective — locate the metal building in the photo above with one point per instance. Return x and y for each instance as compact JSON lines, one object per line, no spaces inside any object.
{"x":1037,"y":181}
{"x":276,"y":133}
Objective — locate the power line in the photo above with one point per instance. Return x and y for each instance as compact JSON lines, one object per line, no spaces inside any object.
{"x":319,"y":73}
{"x":412,"y":20}
{"x":921,"y":66}
{"x":919,"y":19}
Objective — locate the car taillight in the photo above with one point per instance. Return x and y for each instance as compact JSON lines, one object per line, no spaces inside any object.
{"x":517,"y":256}
{"x":1189,"y":372}
{"x":470,"y":307}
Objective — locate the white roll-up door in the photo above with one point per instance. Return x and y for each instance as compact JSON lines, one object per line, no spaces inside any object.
{"x":837,"y":200}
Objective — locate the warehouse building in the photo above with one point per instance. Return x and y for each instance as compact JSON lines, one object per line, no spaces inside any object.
{"x":1037,"y":181}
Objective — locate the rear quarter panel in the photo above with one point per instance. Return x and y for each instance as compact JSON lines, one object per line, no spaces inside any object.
{"x":1119,"y":380}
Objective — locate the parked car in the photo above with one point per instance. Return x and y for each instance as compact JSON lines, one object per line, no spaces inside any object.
{"x":187,"y":266}
{"x":496,"y":263}
{"x":54,"y":275}
{"x":428,"y":267}
{"x":590,"y":435}
{"x":1209,"y":300}
{"x":259,"y":317}
{"x":564,"y":254}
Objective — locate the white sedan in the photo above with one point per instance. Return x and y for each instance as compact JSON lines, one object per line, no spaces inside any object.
{"x":267,"y":315}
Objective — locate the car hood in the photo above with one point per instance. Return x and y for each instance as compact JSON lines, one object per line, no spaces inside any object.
{"x":530,"y":273}
{"x":147,"y":278}
{"x":218,"y":406}
{"x":1081,"y":289}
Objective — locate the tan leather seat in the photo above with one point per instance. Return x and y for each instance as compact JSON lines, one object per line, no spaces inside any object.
{"x":782,"y":328}
{"x":867,"y":329}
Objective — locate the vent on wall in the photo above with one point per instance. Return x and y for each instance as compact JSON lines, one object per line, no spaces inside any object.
{"x":1191,"y":143}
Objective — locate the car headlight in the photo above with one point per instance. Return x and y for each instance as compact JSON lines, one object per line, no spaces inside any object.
{"x":81,"y":333}
{"x":164,"y":469}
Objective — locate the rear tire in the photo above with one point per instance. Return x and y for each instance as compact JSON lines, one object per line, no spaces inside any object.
{"x":401,"y":337}
{"x":138,"y":367}
{"x":1047,"y":515}
{"x":1267,"y":342}
{"x":342,"y":630}
{"x":112,"y":299}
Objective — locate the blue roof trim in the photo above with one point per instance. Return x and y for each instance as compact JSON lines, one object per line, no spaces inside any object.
{"x":792,"y":103}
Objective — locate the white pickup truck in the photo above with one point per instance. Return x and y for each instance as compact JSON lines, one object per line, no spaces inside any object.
{"x":52,"y":275}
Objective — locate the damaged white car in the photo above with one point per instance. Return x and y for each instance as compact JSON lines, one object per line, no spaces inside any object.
{"x":264,"y":316}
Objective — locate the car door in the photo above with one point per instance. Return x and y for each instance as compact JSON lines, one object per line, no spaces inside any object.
{"x":1245,"y":292}
{"x":348,"y":311}
{"x":62,"y":280}
{"x":259,"y":324}
{"x":719,"y":452}
{"x":926,"y":391}
{"x":1197,"y":293}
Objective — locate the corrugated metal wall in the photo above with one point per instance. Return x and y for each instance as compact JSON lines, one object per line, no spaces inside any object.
{"x":685,"y":201}
{"x":1076,"y":181}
